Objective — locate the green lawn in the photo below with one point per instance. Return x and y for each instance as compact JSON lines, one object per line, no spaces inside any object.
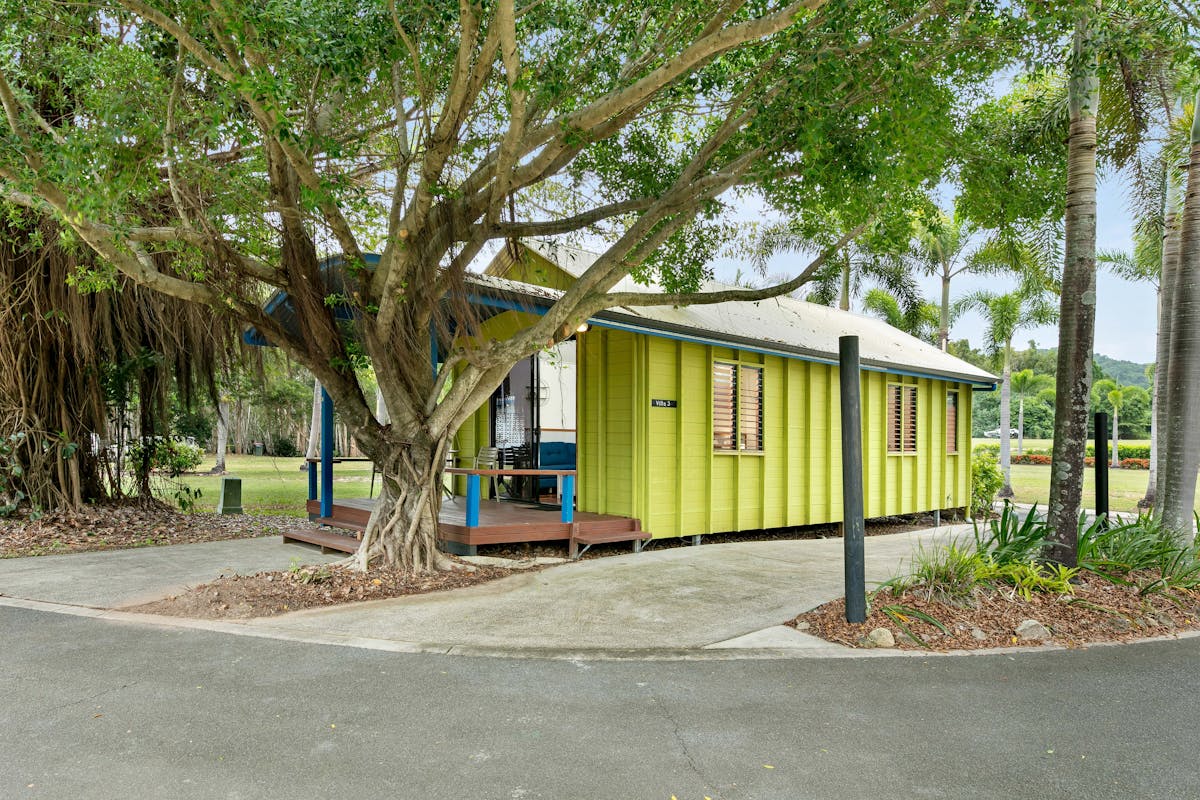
{"x":276,"y":485}
{"x":1031,"y":484}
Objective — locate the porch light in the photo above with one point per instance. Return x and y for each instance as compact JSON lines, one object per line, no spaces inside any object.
{"x":583,"y":328}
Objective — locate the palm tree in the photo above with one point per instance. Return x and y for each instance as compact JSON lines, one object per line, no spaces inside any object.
{"x":1006,"y":315}
{"x":1026,"y":383}
{"x":921,"y":321}
{"x":1107,"y":392}
{"x":844,"y":276}
{"x":938,"y":249}
{"x":1182,"y":458}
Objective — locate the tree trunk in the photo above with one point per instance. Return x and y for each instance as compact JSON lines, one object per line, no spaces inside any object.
{"x":844,"y":300}
{"x":1166,"y":325}
{"x":1006,"y":491}
{"x":403,"y":527}
{"x":1147,"y":502}
{"x":1021,"y":426}
{"x":314,"y":426}
{"x":1182,"y":461}
{"x":1077,"y":317}
{"x":222,"y":437}
{"x":944,"y":320}
{"x":1115,"y":461}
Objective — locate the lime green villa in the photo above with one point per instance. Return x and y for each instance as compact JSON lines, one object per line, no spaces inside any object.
{"x":717,"y":418}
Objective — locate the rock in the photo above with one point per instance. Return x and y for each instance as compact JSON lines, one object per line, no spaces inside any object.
{"x":977,"y":633}
{"x":1165,"y":620}
{"x":1030,"y":630}
{"x":803,"y":626}
{"x":880,"y":637}
{"x":1118,"y":624}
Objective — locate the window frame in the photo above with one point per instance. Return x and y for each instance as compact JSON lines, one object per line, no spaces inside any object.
{"x":952,"y":447}
{"x":902,"y":424}
{"x":738,"y":369}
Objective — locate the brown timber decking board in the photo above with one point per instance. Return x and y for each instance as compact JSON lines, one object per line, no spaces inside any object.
{"x":498,"y":522}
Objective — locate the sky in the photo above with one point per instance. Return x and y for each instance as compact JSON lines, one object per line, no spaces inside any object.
{"x":1126,"y":312}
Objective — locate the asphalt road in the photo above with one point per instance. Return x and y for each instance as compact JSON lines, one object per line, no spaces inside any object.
{"x":98,"y":709}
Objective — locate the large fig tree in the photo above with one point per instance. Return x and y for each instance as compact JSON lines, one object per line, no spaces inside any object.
{"x":250,"y":141}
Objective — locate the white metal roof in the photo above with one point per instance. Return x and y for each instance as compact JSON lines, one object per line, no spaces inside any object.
{"x":782,"y":325}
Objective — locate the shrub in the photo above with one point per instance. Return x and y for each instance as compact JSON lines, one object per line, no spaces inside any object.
{"x":1009,"y":538}
{"x":1135,"y":463}
{"x":284,"y":447}
{"x":169,"y":455}
{"x":1031,"y":458}
{"x":1123,"y":450}
{"x":986,"y":480}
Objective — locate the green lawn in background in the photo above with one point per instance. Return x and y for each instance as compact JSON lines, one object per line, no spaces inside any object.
{"x":276,"y":485}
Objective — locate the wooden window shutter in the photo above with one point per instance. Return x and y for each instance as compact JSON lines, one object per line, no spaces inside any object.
{"x":951,"y":422}
{"x":724,"y":387}
{"x":750,"y":408}
{"x":894,"y":415}
{"x":910,"y":419}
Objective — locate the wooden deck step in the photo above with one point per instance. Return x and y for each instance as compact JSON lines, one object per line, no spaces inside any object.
{"x":345,"y":524}
{"x":593,"y":534}
{"x":326,"y":540}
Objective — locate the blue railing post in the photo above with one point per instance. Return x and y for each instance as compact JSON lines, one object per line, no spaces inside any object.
{"x":326,"y":454}
{"x":312,"y":480}
{"x":472,"y":501}
{"x":568,"y":499}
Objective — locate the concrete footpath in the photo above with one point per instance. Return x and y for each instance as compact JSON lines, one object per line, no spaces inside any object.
{"x":711,"y":601}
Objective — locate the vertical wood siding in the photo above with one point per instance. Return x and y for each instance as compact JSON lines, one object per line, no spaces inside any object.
{"x":658,"y":464}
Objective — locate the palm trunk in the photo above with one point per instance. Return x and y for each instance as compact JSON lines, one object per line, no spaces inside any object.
{"x":1166,"y":325}
{"x":1021,"y":426}
{"x":1006,"y":491}
{"x":1182,"y":461}
{"x":844,"y":300}
{"x":1115,"y":463}
{"x":1077,"y":317}
{"x":1151,"y":484}
{"x":944,"y":319}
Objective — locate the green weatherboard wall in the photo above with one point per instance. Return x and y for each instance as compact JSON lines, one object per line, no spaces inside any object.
{"x":657,"y":463}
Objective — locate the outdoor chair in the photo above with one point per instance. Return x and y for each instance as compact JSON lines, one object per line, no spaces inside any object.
{"x":489,"y":458}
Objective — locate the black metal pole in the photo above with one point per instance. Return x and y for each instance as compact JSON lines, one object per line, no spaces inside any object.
{"x":1101,"y":465}
{"x":852,"y":488}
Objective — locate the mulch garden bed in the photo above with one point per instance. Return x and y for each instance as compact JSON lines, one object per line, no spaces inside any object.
{"x":1097,"y":611}
{"x":267,"y":594}
{"x":128,"y":524}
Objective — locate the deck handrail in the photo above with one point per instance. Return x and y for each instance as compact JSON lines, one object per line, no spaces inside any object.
{"x":566,"y":496}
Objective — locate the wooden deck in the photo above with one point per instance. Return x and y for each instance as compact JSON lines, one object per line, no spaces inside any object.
{"x":498,"y":523}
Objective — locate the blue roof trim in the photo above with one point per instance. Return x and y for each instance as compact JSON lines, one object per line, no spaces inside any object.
{"x":535,"y":308}
{"x":540,"y":306}
{"x":279,"y":297}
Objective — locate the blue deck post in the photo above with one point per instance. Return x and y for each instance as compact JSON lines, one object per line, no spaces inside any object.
{"x":568,"y":499}
{"x":472,"y":501}
{"x":312,"y":480}
{"x":326,"y":454}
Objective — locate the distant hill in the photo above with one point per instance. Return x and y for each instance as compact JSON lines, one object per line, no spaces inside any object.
{"x":1125,"y":373}
{"x":1042,"y":360}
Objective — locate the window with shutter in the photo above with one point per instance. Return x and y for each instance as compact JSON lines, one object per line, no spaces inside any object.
{"x":724,"y":406}
{"x":750,"y":408}
{"x":951,"y":422}
{"x":910,"y":419}
{"x":894,"y":416}
{"x":901,"y":418}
